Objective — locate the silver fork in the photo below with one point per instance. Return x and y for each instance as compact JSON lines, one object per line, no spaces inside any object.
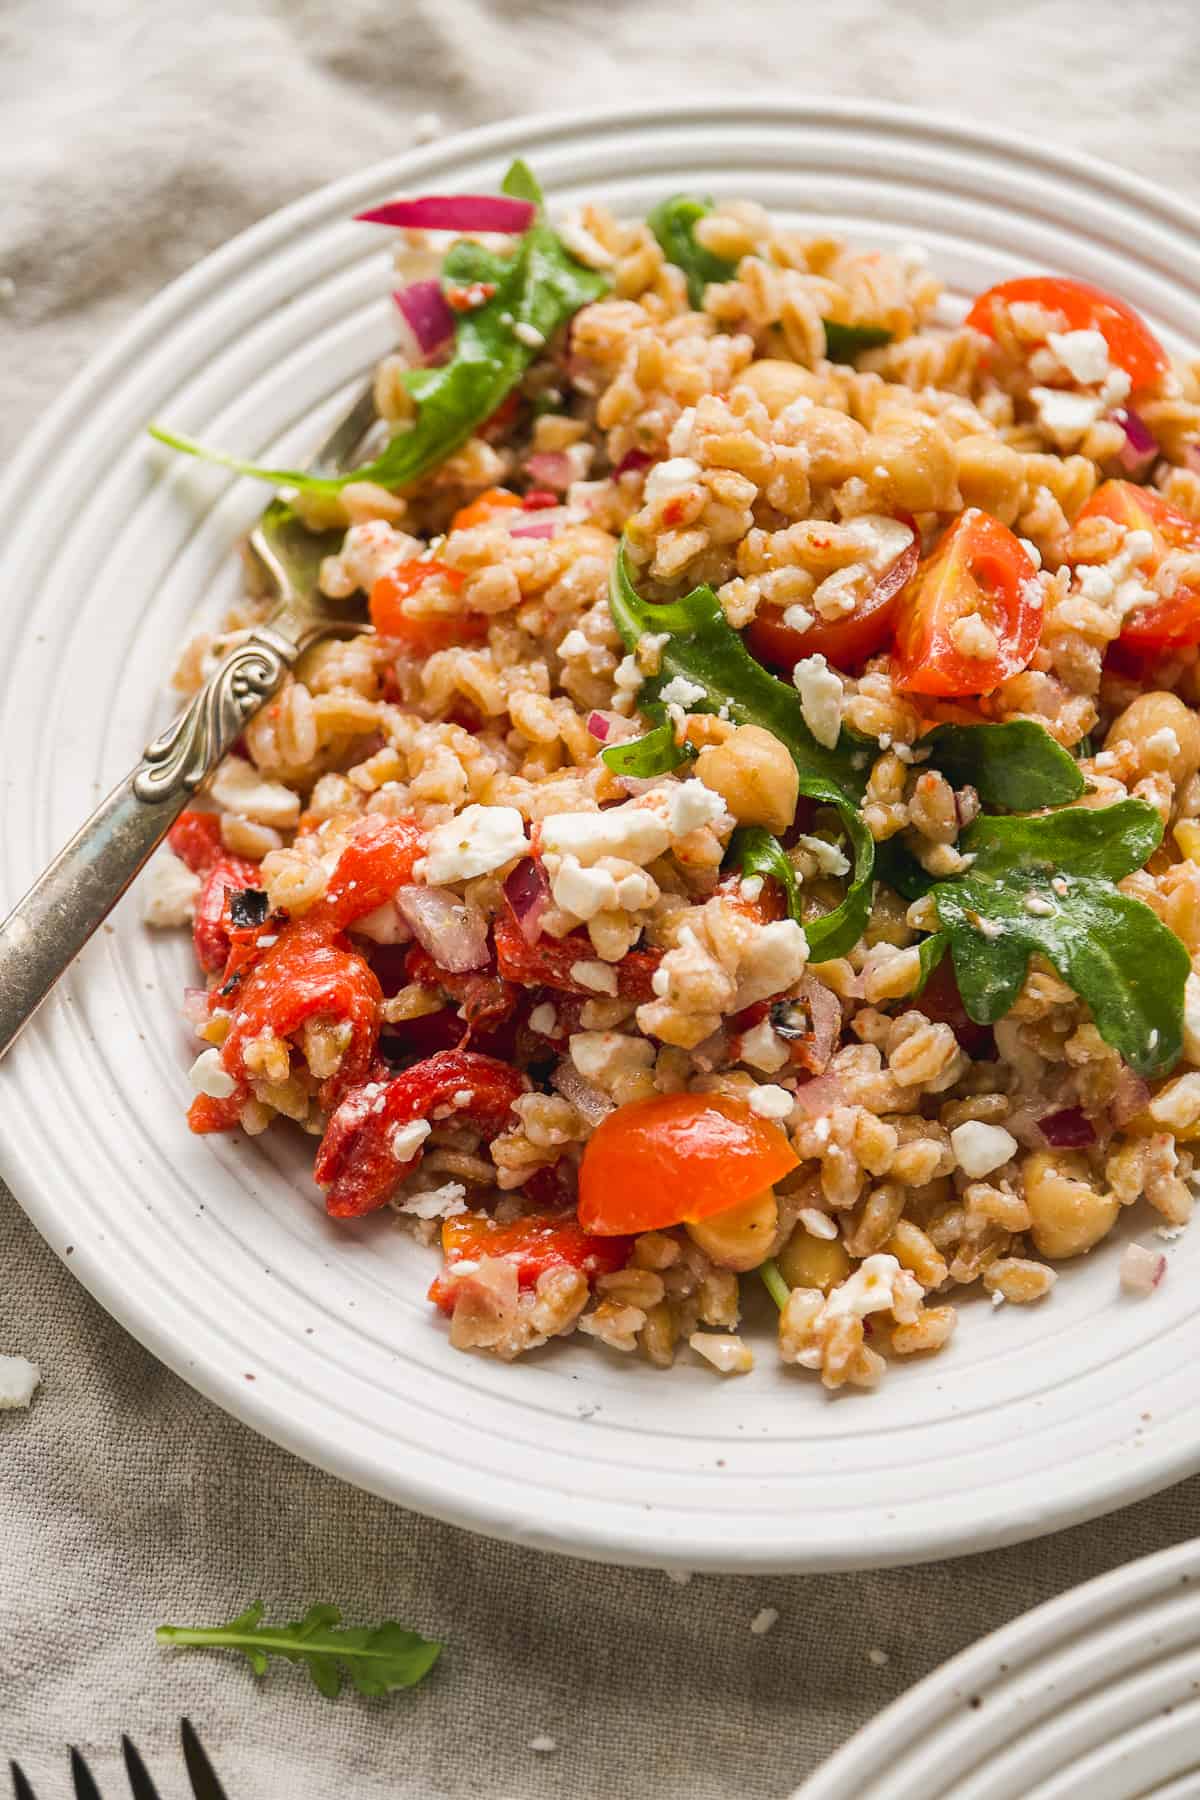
{"x":201,"y":1773}
{"x":48,"y":928}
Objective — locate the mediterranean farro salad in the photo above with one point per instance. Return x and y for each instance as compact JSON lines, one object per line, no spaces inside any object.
{"x":758,"y":829}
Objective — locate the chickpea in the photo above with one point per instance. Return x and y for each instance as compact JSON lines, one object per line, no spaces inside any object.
{"x":812,"y":1262}
{"x":917,"y":459}
{"x":1148,"y":715}
{"x":991,"y":475}
{"x":777,"y":384}
{"x":1069,"y":1214}
{"x":740,"y":1237}
{"x":754,"y":775}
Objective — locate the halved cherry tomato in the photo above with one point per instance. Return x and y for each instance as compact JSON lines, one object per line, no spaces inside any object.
{"x":1132,"y":345}
{"x":979,"y":569}
{"x":676,"y":1158}
{"x":195,"y":838}
{"x":1173,"y":622}
{"x":846,"y":642}
{"x":420,"y":632}
{"x":485,"y":507}
{"x":549,"y":962}
{"x":379,"y":858}
{"x":212,"y":925}
{"x":536,"y":1243}
{"x":357,"y":1163}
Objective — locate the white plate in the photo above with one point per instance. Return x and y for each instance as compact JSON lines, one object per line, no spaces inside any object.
{"x":1094,"y":1696}
{"x":215,"y":1252}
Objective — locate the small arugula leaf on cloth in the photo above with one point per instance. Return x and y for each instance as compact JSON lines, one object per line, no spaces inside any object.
{"x":538,"y":289}
{"x":702,"y":647}
{"x":673,"y":223}
{"x":378,"y":1659}
{"x":657,"y":753}
{"x":1014,"y":767}
{"x":1045,"y":886}
{"x":843,"y":342}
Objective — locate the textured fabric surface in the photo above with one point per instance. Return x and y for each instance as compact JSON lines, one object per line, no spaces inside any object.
{"x":134,"y":138}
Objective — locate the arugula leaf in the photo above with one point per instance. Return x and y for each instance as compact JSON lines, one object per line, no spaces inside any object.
{"x":702,"y":647}
{"x":520,"y":183}
{"x":540,"y":286}
{"x":1016,"y":766}
{"x":377,"y":1659}
{"x":673,"y":223}
{"x":655,"y":754}
{"x":754,"y":851}
{"x":930,"y":951}
{"x":843,"y":342}
{"x":1112,"y":950}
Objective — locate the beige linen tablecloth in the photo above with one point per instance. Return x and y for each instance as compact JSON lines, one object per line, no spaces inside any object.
{"x":134,"y":138}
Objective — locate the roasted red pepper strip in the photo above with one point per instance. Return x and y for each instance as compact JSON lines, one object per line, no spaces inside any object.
{"x":536,"y":1243}
{"x":548,"y":963}
{"x":484,"y":1000}
{"x":212,"y":926}
{"x":306,"y":974}
{"x":195,"y":837}
{"x":356,"y":1163}
{"x":379,"y":858}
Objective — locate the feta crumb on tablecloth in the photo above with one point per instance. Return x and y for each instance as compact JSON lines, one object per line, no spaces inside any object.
{"x":543,"y":1743}
{"x":18,"y":1378}
{"x":764,"y":1619}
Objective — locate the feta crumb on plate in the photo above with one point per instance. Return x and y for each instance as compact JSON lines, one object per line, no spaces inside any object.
{"x":169,"y":891}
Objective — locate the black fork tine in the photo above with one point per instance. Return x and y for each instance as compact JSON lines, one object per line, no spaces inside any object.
{"x":139,"y":1780}
{"x":201,"y":1772}
{"x":81,"y":1775}
{"x":21,"y":1787}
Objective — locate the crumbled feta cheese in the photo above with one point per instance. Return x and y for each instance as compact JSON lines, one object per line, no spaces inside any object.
{"x":478,"y":840}
{"x":882,"y":537}
{"x":763,"y":1048}
{"x":671,"y":477}
{"x":637,"y":834}
{"x":1162,"y":746}
{"x":1083,"y":354}
{"x":797,"y":618}
{"x":574,"y":644}
{"x":774,"y":956}
{"x":1063,"y":415}
{"x":763,"y":1620}
{"x":169,"y":890}
{"x":820,"y":690}
{"x":544,"y":1019}
{"x":586,"y":892}
{"x":406,"y":1140}
{"x":828,"y":857}
{"x":445,"y":1202}
{"x":208,"y":1075}
{"x":1177,"y":1105}
{"x":751,"y":887}
{"x":871,"y":1288}
{"x":385,"y":925}
{"x":981,"y":1148}
{"x":598,"y":976}
{"x":18,"y":1378}
{"x":771,"y":1102}
{"x":238,"y":786}
{"x":679,"y":691}
{"x":601,"y":1055}
{"x":690,"y":804}
{"x":726,"y":1352}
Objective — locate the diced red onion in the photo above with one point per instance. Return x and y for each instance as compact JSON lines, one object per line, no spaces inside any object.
{"x":541,"y":524}
{"x":454,"y":212}
{"x":584,"y":1095}
{"x":1142,"y":1269}
{"x":818,"y":1097}
{"x":454,"y":934}
{"x":195,"y":1008}
{"x":1141,"y":448}
{"x":1070,"y":1129}
{"x":528,"y":893}
{"x":551,"y":467}
{"x":538,"y":499}
{"x":425,"y":312}
{"x":1131,"y":1096}
{"x":599,"y":726}
{"x":632,"y":461}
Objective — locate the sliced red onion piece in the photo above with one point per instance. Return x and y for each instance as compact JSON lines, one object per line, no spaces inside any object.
{"x":1070,"y":1129}
{"x":817,"y":1097}
{"x":1141,"y":448}
{"x":454,"y":212}
{"x":584,"y":1095}
{"x":528,"y":893}
{"x":1142,"y":1269}
{"x":540,"y":524}
{"x":552,"y":468}
{"x":426,"y":314}
{"x":599,"y":726}
{"x":196,"y":1009}
{"x":633,"y":462}
{"x":453,"y":933}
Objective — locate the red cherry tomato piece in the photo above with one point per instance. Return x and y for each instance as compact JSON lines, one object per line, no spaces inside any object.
{"x":979,"y":569}
{"x":195,"y":837}
{"x":1172,"y":622}
{"x":212,"y":926}
{"x":675,"y":1158}
{"x":420,"y":632}
{"x":549,"y":963}
{"x":357,"y":1164}
{"x":539,"y":1242}
{"x":941,"y":1001}
{"x":1132,"y":345}
{"x":846,"y":643}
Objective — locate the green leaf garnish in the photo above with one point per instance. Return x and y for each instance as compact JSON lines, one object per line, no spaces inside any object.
{"x":754,"y":851}
{"x":539,"y":287}
{"x":655,"y":754}
{"x":702,"y":647}
{"x":843,"y":342}
{"x":1112,"y":950}
{"x":378,"y":1659}
{"x":1014,"y":767}
{"x":673,"y":223}
{"x":930,"y":952}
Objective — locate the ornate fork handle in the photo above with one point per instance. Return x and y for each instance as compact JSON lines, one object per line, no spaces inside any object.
{"x":48,"y":928}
